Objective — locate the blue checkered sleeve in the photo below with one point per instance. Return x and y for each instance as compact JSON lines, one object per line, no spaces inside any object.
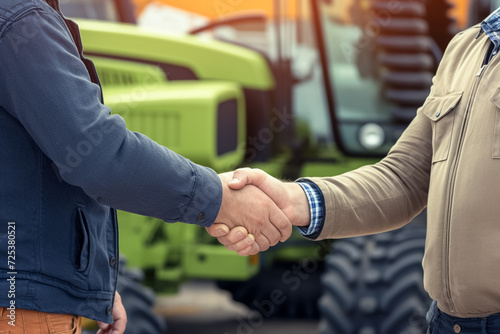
{"x":316,"y":207}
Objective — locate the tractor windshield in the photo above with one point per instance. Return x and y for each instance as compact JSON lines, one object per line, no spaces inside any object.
{"x":330,"y":70}
{"x":361,"y":113}
{"x":378,"y":62}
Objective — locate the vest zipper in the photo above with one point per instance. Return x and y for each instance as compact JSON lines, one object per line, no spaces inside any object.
{"x":475,"y":87}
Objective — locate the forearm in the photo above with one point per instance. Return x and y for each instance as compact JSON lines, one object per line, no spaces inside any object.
{"x":383,"y":196}
{"x":130,"y":172}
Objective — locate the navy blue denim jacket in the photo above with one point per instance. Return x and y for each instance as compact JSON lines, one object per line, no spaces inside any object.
{"x":65,"y":162}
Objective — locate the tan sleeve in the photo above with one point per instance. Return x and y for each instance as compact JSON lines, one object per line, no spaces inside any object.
{"x":389,"y":194}
{"x":384,"y":196}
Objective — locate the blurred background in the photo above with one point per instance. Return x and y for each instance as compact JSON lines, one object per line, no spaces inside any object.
{"x":296,"y":88}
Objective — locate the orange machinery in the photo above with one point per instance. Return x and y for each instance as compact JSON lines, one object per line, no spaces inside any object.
{"x":215,"y":9}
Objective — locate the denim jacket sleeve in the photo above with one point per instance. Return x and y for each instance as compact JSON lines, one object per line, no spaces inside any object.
{"x":46,"y":87}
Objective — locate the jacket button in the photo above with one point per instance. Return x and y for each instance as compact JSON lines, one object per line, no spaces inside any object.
{"x":201,"y":217}
{"x":457,"y":328}
{"x":109,"y":310}
{"x":112,"y":261}
{"x":438,"y":114}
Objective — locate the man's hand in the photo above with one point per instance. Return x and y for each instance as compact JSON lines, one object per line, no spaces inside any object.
{"x":289,"y":197}
{"x":237,"y":239}
{"x":251,"y":210}
{"x":119,"y":316}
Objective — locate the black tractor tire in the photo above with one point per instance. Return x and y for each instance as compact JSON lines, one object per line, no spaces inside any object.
{"x":138,"y":301}
{"x":374,"y":285}
{"x":294,"y":287}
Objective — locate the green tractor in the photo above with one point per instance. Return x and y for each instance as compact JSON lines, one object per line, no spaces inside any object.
{"x":319,"y":89}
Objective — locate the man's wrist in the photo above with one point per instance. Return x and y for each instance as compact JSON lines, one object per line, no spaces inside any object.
{"x":300,"y":203}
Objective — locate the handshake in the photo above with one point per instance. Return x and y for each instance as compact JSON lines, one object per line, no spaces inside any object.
{"x":257,"y":211}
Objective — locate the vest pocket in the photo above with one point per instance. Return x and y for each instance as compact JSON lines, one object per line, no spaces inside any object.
{"x":82,"y":244}
{"x":495,"y":99}
{"x":440,"y":111}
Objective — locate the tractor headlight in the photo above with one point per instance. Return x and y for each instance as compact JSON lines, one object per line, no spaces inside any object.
{"x":371,"y":136}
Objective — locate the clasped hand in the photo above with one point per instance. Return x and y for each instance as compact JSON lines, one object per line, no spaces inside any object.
{"x":257,"y":211}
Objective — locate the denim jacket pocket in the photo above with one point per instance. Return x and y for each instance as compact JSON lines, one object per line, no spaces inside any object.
{"x":81,"y":239}
{"x":495,"y":150}
{"x":440,"y":110}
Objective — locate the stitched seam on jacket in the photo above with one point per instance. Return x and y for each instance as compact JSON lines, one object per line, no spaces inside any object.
{"x":16,"y":16}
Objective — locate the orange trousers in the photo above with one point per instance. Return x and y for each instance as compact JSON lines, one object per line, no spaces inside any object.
{"x":35,"y":322}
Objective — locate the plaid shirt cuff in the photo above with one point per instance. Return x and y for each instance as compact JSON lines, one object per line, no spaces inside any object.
{"x":316,"y":207}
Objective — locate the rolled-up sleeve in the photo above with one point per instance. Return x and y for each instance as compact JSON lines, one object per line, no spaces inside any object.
{"x":45,"y":85}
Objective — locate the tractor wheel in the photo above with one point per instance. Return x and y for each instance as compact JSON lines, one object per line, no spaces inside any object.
{"x":373,"y":285}
{"x":138,"y":301}
{"x":285,"y":290}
